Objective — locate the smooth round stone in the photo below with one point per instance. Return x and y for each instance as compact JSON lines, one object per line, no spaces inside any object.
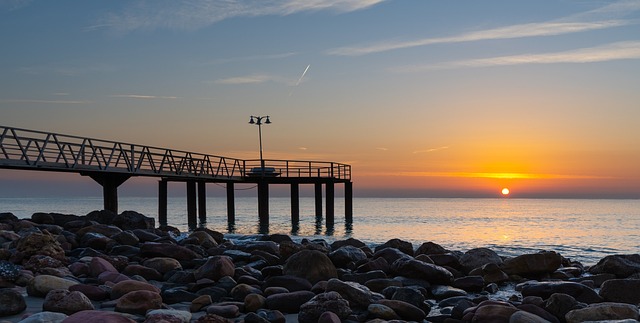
{"x":139,"y":302}
{"x":162,"y":264}
{"x":124,"y":287}
{"x":199,"y":302}
{"x":379,"y":311}
{"x":97,"y":317}
{"x":40,"y":285}
{"x":228,"y":311}
{"x":64,"y":301}
{"x":254,"y":302}
{"x":160,"y":315}
{"x":48,"y":317}
{"x":12,"y":302}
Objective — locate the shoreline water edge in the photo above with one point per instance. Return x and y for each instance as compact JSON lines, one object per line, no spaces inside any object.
{"x":109,"y":267}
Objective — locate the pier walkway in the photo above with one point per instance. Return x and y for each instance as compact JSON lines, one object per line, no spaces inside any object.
{"x":111,"y":163}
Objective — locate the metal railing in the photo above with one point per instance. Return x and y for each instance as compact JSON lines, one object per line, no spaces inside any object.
{"x":38,"y":150}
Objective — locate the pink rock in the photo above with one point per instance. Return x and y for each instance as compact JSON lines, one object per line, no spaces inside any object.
{"x":124,"y":287}
{"x":108,"y":276}
{"x":97,"y":317}
{"x":64,"y":301}
{"x":94,"y":293}
{"x":99,"y":265}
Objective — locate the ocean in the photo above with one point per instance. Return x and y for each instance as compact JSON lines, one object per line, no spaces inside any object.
{"x":579,"y":229}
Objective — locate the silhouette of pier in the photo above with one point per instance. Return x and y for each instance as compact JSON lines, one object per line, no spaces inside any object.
{"x":111,"y":163}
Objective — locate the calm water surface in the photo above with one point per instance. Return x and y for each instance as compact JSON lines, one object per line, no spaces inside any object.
{"x":584,"y":230}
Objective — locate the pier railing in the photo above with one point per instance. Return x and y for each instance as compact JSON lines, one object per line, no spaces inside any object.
{"x":37,"y":150}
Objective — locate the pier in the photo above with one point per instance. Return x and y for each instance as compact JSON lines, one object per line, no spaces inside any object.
{"x":111,"y":163}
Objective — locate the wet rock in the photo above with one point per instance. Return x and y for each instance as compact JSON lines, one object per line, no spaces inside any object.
{"x":126,"y":238}
{"x":536,"y":264}
{"x":490,"y":311}
{"x":124,"y":287}
{"x":331,"y":301}
{"x":580,"y":292}
{"x":446,"y":260}
{"x":440,"y":292}
{"x":559,"y":305}
{"x":390,"y":255}
{"x":622,"y":266}
{"x":311,"y":265}
{"x":288,"y":302}
{"x":9,"y":272}
{"x":254,"y":302}
{"x":48,"y":317}
{"x":430,"y":248}
{"x":97,"y":317}
{"x":413,"y":268}
{"x":215,"y":268}
{"x":491,"y":273}
{"x":12,"y":302}
{"x":291,"y":283}
{"x":539,"y":311}
{"x":379,"y":284}
{"x":64,"y":301}
{"x":526,"y":317}
{"x":479,"y":257}
{"x":357,"y":295}
{"x":103,"y":229}
{"x":204,"y":239}
{"x":344,"y":255}
{"x":469,"y":283}
{"x":40,"y":285}
{"x":603,"y":311}
{"x":139,"y":302}
{"x":240,"y":291}
{"x":348,"y":242}
{"x":621,"y":291}
{"x":376,"y":265}
{"x":177,"y":295}
{"x":410,"y":295}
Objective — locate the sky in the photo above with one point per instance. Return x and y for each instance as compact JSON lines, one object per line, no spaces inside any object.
{"x":423,"y":98}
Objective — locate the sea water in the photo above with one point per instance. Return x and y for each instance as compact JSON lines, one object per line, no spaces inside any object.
{"x":581,"y":229}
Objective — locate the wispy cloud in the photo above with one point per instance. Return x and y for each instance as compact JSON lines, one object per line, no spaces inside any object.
{"x":608,"y":52}
{"x":430,"y":150}
{"x":248,"y":79}
{"x":515,"y":31}
{"x":195,"y":14}
{"x":609,"y":16}
{"x":144,"y":97}
{"x":44,"y":101}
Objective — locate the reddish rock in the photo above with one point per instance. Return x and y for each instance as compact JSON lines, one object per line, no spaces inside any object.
{"x":139,"y":302}
{"x":143,"y":271}
{"x":108,"y":276}
{"x":67,"y":302}
{"x":162,"y":264}
{"x":311,"y":265}
{"x":216,"y":268}
{"x":99,"y":265}
{"x":97,"y":317}
{"x":40,"y":244}
{"x":124,"y":287}
{"x":94,"y":293}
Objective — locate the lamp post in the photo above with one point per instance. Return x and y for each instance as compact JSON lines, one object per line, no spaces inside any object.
{"x":257,"y":120}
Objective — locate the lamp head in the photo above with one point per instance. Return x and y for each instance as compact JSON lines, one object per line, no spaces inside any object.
{"x":251,"y":120}
{"x":268,"y":121}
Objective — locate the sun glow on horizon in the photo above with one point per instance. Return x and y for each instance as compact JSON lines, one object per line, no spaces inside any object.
{"x":505,"y":191}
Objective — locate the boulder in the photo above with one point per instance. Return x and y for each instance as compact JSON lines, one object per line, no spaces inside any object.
{"x":580,"y":292}
{"x":131,"y":220}
{"x":291,"y":283}
{"x":526,"y":317}
{"x":414,"y":268}
{"x":357,"y":295}
{"x":603,"y":311}
{"x":621,"y":291}
{"x":48,"y":317}
{"x":469,"y":283}
{"x":311,"y":311}
{"x":479,"y":257}
{"x":99,"y":265}
{"x":162,"y":264}
{"x":95,"y":316}
{"x":404,"y":246}
{"x":228,"y":311}
{"x":12,"y":302}
{"x":311,"y":265}
{"x":344,"y":255}
{"x":154,"y":249}
{"x":40,"y":244}
{"x":535,"y":264}
{"x":622,"y":266}
{"x":382,"y":312}
{"x":215,"y":268}
{"x":142,"y":271}
{"x":288,"y":302}
{"x":559,"y":305}
{"x":139,"y":302}
{"x":405,"y":310}
{"x":94,"y":293}
{"x":490,"y":311}
{"x":124,"y":287}
{"x":157,"y":316}
{"x":441,"y":292}
{"x":67,"y":302}
{"x":40,"y":285}
{"x":430,"y":248}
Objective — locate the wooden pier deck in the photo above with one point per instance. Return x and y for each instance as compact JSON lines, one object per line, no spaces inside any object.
{"x":111,"y":163}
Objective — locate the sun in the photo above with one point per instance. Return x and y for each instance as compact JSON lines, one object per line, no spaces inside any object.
{"x":505,"y":191}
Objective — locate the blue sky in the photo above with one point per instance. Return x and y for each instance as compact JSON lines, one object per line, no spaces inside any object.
{"x":408,"y":91}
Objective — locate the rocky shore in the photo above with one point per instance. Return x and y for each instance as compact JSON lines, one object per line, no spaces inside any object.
{"x":106,"y":267}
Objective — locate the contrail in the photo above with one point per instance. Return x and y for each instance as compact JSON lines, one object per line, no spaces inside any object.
{"x":302,"y":76}
{"x":300,"y":79}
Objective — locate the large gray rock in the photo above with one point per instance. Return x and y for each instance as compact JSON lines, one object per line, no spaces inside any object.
{"x":621,"y":291}
{"x":215,"y":268}
{"x":357,"y":295}
{"x":311,"y":311}
{"x":413,"y":268}
{"x":622,"y":266}
{"x":535,"y":264}
{"x":311,"y":265}
{"x":559,"y":305}
{"x":479,"y":257}
{"x":603,"y":311}
{"x":344,"y":255}
{"x":580,"y":292}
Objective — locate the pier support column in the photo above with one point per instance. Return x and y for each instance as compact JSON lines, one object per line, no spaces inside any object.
{"x":191,"y":205}
{"x":263,"y":202}
{"x":295,"y":203}
{"x":318,"y":191}
{"x":231,"y":204}
{"x":330,"y":202}
{"x":162,"y":202}
{"x":202,"y":202}
{"x":348,"y":202}
{"x":110,"y":183}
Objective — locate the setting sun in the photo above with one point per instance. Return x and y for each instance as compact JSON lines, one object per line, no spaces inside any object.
{"x":505,"y":191}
